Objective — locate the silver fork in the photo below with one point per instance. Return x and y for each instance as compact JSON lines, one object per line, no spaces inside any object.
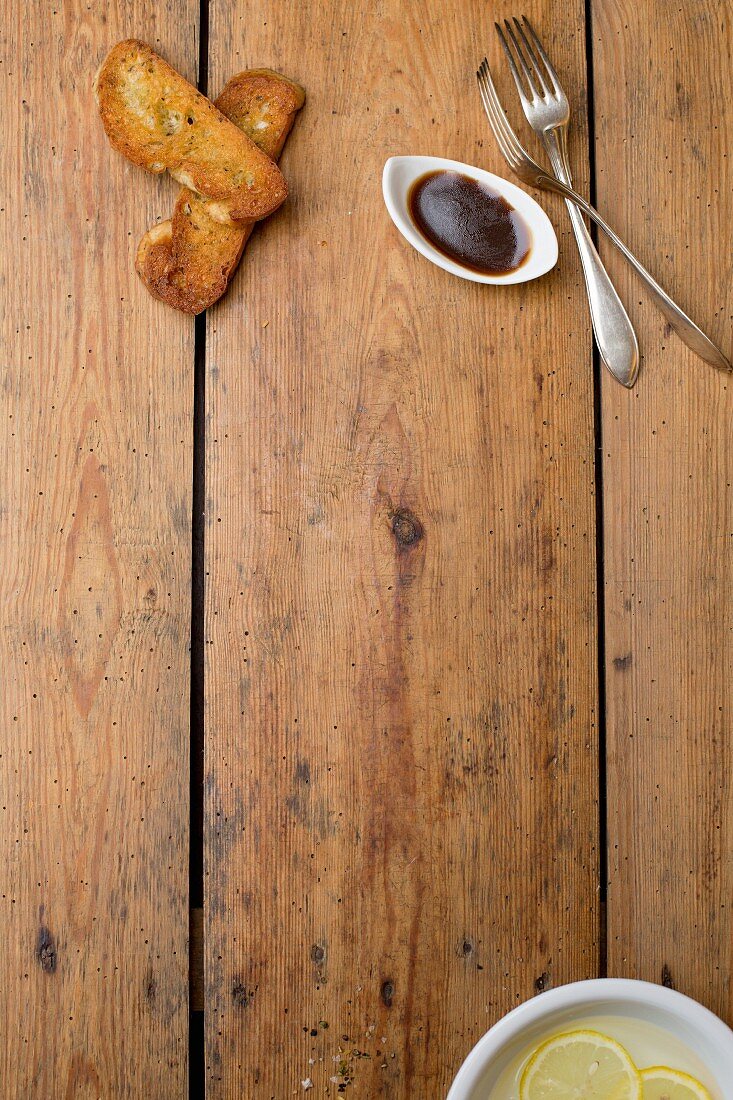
{"x":527,"y":170}
{"x":548,"y":113}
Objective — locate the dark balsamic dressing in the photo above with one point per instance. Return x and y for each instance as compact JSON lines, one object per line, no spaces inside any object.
{"x":469,"y":223}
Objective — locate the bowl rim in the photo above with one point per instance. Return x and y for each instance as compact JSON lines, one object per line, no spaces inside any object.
{"x":589,"y":991}
{"x":545,"y":245}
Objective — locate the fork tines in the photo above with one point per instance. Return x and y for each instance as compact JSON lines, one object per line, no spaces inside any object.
{"x":540,"y":77}
{"x":516,"y":157}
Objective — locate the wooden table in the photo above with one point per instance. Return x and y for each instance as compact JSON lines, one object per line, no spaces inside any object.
{"x":461,"y":620}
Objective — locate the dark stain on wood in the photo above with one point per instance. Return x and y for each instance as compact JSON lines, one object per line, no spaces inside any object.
{"x":406,"y":528}
{"x":318,"y":955}
{"x":241,"y":996}
{"x":308,"y":809}
{"x":302,"y":772}
{"x":151,"y":987}
{"x":622,"y":663}
{"x":543,"y":982}
{"x":552,"y":690}
{"x":683,"y":99}
{"x":387,"y":992}
{"x":667,"y":977}
{"x":46,"y":951}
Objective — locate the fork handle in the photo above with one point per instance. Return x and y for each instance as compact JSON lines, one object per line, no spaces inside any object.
{"x":612,"y":328}
{"x":685,"y":328}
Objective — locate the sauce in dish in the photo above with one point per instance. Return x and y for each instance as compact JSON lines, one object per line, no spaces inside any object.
{"x":470,"y":223}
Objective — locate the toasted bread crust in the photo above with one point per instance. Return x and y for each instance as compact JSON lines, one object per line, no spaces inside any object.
{"x":159,"y":121}
{"x":263,"y":104}
{"x":197,"y":273}
{"x":188,"y":261}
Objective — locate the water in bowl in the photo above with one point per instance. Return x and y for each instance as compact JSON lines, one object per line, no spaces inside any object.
{"x":647,"y":1044}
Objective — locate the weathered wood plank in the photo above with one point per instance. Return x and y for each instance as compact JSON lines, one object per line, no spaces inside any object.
{"x":400,"y":683}
{"x":95,"y":531}
{"x":664,"y":180}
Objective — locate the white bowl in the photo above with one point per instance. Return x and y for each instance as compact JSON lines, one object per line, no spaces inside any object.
{"x":398,"y":177}
{"x":634,"y":1003}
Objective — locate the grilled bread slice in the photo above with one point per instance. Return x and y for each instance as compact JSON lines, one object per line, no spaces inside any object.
{"x":188,"y":261}
{"x":159,"y":121}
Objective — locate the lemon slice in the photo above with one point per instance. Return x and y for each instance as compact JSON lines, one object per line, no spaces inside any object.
{"x":663,"y":1083}
{"x":580,"y":1065}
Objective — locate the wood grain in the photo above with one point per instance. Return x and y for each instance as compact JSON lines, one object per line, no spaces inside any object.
{"x":665,"y":182}
{"x":95,"y":531}
{"x":401,"y":751}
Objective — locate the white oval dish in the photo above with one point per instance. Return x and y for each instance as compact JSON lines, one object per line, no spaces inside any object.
{"x":686,"y":1021}
{"x":398,"y":177}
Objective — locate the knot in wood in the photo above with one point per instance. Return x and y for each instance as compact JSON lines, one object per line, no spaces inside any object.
{"x":406,"y":527}
{"x":46,"y":951}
